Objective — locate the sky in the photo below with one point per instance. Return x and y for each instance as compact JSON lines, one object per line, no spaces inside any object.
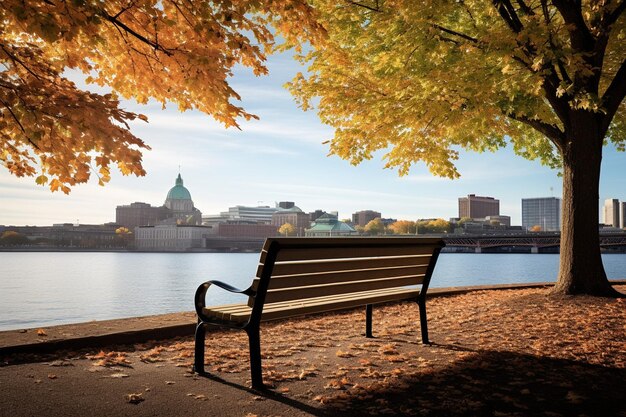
{"x":281,"y":157}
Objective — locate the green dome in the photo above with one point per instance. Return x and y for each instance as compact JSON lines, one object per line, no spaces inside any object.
{"x":178,"y":192}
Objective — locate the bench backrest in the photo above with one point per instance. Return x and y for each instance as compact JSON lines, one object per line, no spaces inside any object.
{"x":296,"y":268}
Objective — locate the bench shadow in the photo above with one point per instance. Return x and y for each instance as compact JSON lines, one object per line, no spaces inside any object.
{"x":269,"y":394}
{"x":493,"y":383}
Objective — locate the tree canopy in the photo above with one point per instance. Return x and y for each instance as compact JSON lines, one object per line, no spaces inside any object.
{"x":403,"y":227}
{"x":172,"y":51}
{"x":287,"y":229}
{"x":375,"y":227}
{"x":422,"y":80}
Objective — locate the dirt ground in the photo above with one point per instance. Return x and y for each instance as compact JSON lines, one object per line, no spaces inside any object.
{"x":493,"y":353}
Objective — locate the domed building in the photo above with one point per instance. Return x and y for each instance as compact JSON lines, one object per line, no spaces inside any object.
{"x":330,"y":225}
{"x":178,"y":209}
{"x":180,"y":204}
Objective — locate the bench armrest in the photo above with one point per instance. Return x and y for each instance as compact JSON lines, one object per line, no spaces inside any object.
{"x":200,"y":298}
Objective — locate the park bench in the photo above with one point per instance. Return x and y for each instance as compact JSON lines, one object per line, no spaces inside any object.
{"x":299,"y":276}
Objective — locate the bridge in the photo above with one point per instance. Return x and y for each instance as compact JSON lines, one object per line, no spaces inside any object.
{"x":535,"y":241}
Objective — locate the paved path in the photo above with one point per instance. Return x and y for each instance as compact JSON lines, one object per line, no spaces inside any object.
{"x":506,"y":353}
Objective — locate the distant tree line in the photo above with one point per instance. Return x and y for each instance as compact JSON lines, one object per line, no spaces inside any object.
{"x":121,"y":240}
{"x":406,"y":227}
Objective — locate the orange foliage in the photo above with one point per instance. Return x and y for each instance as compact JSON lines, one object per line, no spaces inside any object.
{"x":172,"y":51}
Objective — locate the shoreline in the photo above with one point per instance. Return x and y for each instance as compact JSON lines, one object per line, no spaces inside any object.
{"x":94,"y":334}
{"x":620,"y":250}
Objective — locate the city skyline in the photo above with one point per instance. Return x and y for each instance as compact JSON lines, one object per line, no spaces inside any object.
{"x":281,"y":157}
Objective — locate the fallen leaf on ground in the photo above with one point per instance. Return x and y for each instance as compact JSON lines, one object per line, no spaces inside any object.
{"x":61,"y":363}
{"x":134,"y":398}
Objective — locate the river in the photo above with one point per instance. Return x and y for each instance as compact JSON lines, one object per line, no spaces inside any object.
{"x":40,"y":289}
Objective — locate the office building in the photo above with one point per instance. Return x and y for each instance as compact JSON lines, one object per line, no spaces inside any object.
{"x":171,"y":237}
{"x":140,"y":214}
{"x":504,"y":221}
{"x":292,"y":215}
{"x":363,"y":217}
{"x":611,"y":212}
{"x":477,"y":207}
{"x":622,"y":216}
{"x":246,"y":230}
{"x":285,"y":205}
{"x":259,"y":214}
{"x":543,"y":212}
{"x":314,"y":215}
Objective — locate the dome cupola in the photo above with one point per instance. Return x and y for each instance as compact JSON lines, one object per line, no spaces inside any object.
{"x":178,"y":192}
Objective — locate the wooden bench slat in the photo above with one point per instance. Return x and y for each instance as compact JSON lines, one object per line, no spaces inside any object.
{"x":310,"y":306}
{"x":327,"y":265}
{"x":300,"y":254}
{"x":228,"y":308}
{"x":285,"y":294}
{"x":342,"y":243}
{"x":242,"y":310}
{"x":293,"y":281}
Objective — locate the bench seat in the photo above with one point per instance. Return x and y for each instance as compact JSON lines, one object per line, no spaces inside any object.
{"x":240,"y":313}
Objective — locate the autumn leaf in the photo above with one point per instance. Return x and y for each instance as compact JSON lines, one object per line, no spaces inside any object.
{"x":134,"y":398}
{"x":41,"y":180}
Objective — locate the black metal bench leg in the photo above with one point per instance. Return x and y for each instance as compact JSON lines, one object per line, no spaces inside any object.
{"x":255,"y":357}
{"x":423,"y":322}
{"x":368,"y":320}
{"x":198,"y":365}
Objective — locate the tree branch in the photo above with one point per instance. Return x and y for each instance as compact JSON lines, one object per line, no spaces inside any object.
{"x":614,"y":95}
{"x":142,"y":38}
{"x":124,"y":9}
{"x":613,"y":16}
{"x":552,"y":132}
{"x":15,"y":59}
{"x":17,"y":120}
{"x":580,"y":35}
{"x":559,"y":106}
{"x":508,"y":14}
{"x":548,"y":21}
{"x":365,"y":6}
{"x":455,"y":33}
{"x":550,"y":79}
{"x":525,"y":8}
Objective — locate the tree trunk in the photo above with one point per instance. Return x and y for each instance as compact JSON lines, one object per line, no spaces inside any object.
{"x":581,"y":270}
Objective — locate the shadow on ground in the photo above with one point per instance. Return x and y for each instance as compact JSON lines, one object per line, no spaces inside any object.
{"x":492,"y":383}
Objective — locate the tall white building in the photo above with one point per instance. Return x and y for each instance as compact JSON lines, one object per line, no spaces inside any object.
{"x":259,"y":214}
{"x":171,"y":237}
{"x":544,"y":212}
{"x":611,"y":212}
